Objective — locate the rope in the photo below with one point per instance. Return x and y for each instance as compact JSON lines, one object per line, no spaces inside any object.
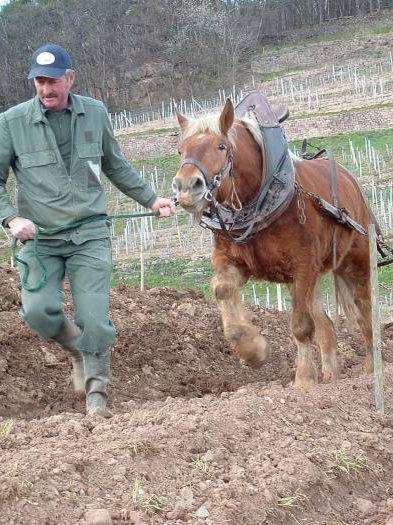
{"x":53,"y":231}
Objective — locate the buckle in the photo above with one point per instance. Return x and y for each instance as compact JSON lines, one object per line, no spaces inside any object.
{"x":217,"y":180}
{"x":208,"y":195}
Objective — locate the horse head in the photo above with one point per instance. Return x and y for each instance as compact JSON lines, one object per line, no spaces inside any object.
{"x":206,"y":157}
{"x":212,"y":149}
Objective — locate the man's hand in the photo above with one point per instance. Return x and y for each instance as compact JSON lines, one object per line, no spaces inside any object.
{"x":166,"y":207}
{"x":22,"y":229}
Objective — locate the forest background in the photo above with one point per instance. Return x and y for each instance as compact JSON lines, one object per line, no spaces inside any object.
{"x":135,"y":53}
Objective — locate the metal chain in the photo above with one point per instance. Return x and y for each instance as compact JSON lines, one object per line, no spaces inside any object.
{"x":300,"y":204}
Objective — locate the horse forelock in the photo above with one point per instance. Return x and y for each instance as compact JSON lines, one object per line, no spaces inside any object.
{"x":207,"y":124}
{"x":211,"y":124}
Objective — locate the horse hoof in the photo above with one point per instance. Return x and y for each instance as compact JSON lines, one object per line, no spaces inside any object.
{"x":306,"y":380}
{"x":258,"y":354}
{"x":304,"y":384}
{"x":328,"y":376}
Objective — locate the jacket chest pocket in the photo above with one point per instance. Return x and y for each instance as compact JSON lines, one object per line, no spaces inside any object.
{"x":39,"y":172}
{"x":37,"y":159}
{"x":89,"y":156}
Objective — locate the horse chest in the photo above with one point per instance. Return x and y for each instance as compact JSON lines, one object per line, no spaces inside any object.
{"x":266,"y":263}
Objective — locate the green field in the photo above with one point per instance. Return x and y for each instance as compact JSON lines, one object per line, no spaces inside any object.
{"x":183,"y":272}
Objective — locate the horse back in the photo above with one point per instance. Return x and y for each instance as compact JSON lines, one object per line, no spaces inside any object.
{"x":279,"y":251}
{"x":315,"y":176}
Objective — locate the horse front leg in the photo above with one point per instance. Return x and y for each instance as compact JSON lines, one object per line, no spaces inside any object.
{"x":303,"y":328}
{"x":238,"y":330}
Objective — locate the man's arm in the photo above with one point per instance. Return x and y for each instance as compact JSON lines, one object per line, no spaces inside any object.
{"x":123,"y":176}
{"x":7,"y":211}
{"x":21,"y":228}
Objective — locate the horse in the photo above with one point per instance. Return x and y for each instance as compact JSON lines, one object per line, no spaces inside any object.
{"x":297,"y":248}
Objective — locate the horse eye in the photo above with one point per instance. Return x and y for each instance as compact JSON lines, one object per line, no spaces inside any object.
{"x":222,"y":147}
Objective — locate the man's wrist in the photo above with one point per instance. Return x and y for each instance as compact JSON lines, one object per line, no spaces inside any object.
{"x":151,"y":202}
{"x":7,"y":220}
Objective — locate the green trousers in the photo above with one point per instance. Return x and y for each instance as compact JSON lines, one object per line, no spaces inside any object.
{"x":88,"y":268}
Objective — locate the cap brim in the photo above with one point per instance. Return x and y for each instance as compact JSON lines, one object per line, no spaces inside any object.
{"x":45,"y":71}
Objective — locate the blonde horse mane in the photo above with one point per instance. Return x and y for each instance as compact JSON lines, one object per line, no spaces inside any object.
{"x":211,"y":124}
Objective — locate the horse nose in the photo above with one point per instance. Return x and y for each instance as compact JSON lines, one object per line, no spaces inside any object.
{"x":194,"y":184}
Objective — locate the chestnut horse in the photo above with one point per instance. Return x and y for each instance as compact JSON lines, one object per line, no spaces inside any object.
{"x":288,"y":250}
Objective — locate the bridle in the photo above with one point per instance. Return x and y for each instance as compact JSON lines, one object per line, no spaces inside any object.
{"x":212,"y":180}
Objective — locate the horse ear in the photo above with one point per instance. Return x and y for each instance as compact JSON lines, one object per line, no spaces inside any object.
{"x":227,"y":117}
{"x":182,"y":120}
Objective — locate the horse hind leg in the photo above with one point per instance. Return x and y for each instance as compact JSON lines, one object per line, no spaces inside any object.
{"x":354,"y":295}
{"x":326,"y":339}
{"x":238,"y":330}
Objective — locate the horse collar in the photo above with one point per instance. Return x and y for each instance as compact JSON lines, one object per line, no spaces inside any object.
{"x":275,"y":193}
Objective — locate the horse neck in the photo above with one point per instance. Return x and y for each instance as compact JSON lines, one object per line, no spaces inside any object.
{"x":247,"y":168}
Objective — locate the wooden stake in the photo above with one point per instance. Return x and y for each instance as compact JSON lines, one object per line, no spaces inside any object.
{"x":376,"y":324}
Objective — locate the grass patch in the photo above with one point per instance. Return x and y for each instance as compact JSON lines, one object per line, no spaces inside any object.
{"x":338,"y":143}
{"x":321,"y":37}
{"x":167,"y":164}
{"x":15,"y":488}
{"x":272,"y":75}
{"x":294,"y":501}
{"x":145,"y":133}
{"x":201,"y":464}
{"x":151,"y":504}
{"x":139,"y":448}
{"x":6,"y":428}
{"x":349,"y":465}
{"x":359,"y":109}
{"x":381,"y":30}
{"x":181,"y":272}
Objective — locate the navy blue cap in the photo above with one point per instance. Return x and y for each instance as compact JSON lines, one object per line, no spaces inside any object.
{"x":49,"y":60}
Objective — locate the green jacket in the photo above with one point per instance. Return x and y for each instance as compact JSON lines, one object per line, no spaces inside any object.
{"x":49,"y":195}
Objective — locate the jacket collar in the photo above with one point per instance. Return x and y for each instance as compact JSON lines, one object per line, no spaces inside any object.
{"x":37,"y":113}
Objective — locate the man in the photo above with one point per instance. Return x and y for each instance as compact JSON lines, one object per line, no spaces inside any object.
{"x":57,"y":143}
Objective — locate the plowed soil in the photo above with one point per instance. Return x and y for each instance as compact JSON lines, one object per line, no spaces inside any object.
{"x":196,"y":436}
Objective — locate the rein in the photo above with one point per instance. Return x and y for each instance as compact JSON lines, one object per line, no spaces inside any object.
{"x":42,"y":232}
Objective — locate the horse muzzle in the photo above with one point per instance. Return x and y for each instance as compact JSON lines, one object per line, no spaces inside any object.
{"x":190,"y":191}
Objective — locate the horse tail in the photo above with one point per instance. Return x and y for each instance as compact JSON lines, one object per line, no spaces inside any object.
{"x":345,"y":298}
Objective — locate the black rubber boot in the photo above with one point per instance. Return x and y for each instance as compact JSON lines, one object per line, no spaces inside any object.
{"x":66,"y":338}
{"x":97,"y":370}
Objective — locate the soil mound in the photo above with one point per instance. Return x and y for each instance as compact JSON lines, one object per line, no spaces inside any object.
{"x":196,"y":436}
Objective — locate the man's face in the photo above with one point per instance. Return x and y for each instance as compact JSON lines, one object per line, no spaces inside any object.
{"x":53,"y":92}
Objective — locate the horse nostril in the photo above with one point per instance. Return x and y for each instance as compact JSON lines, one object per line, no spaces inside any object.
{"x":197,"y":184}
